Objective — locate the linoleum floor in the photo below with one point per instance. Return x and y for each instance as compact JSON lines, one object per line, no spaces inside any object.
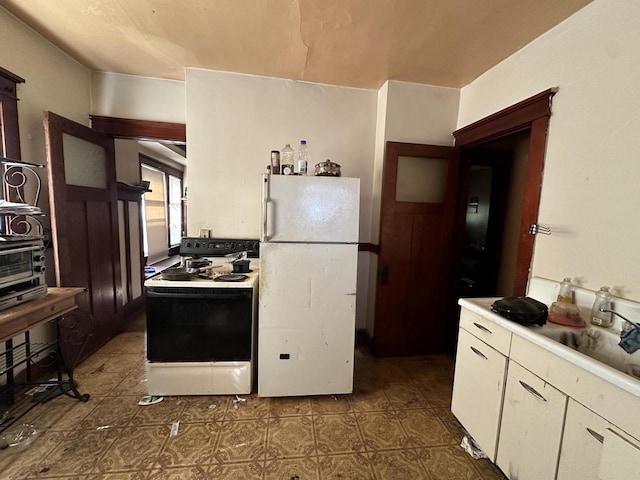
{"x":397,"y":425}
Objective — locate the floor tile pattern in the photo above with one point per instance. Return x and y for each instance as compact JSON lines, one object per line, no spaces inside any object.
{"x":396,"y":425}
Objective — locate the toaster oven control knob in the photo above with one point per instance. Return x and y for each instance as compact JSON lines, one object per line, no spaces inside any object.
{"x":40,"y":268}
{"x":38,"y":258}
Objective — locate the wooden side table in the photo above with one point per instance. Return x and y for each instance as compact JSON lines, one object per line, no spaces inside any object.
{"x":20,"y":320}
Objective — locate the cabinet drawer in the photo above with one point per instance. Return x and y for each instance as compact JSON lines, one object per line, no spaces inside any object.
{"x":486,"y":330}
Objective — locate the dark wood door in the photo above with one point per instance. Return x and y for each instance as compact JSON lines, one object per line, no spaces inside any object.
{"x":83,"y":201}
{"x":416,"y":228}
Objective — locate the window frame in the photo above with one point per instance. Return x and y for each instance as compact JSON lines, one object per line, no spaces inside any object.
{"x":167,"y":170}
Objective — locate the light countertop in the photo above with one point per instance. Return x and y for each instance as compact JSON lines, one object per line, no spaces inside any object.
{"x":535,"y":334}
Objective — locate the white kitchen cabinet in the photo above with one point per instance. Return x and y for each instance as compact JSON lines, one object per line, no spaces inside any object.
{"x":594,"y":449}
{"x":531,"y":426}
{"x":557,"y":403}
{"x":478,"y":390}
{"x":620,"y":459}
{"x":581,"y":443}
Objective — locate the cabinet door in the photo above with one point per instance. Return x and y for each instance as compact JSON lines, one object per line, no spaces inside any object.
{"x":477,"y":390}
{"x":581,"y":443}
{"x":531,"y":426}
{"x":620,"y":458}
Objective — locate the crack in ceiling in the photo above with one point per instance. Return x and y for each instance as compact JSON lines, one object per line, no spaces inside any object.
{"x":356,"y":43}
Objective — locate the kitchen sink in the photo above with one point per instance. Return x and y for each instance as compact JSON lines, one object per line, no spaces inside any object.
{"x":600,"y":344}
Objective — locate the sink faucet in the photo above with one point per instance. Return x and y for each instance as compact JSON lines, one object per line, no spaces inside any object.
{"x":627,"y":325}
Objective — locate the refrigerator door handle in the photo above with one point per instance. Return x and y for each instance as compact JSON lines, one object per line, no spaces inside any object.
{"x":264,"y":233}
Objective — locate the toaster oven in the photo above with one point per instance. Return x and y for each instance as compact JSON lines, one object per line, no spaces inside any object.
{"x":22,"y":269}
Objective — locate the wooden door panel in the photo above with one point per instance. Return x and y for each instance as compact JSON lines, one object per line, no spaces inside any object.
{"x":414,"y":258}
{"x":102,"y":271}
{"x":85,"y":225}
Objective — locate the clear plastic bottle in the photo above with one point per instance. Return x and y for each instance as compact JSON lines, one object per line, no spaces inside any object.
{"x":566,"y":294}
{"x":287,"y":158}
{"x":603,"y":300}
{"x":303,"y":157}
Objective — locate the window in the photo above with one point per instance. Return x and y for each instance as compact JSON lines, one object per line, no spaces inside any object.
{"x":161,"y":209}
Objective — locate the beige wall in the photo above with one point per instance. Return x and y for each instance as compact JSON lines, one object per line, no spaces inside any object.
{"x":235,"y":120}
{"x":140,"y":98}
{"x":127,"y":161}
{"x":589,"y":192}
{"x":412,"y":113}
{"x":54,"y":82}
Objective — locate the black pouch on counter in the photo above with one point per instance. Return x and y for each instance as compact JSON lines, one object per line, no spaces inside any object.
{"x":524,"y":310}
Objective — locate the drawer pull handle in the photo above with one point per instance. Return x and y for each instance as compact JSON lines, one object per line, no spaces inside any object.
{"x":482,"y":327}
{"x":532,"y":390}
{"x":478,"y":352}
{"x":596,"y":435}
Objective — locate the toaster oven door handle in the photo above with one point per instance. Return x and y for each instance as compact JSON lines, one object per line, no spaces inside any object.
{"x":24,"y":249}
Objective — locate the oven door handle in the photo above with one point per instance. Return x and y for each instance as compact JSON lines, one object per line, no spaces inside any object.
{"x":216,"y":296}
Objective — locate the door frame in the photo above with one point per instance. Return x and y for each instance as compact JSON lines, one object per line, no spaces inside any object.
{"x":164,"y":132}
{"x":531,"y":114}
{"x":132,"y":129}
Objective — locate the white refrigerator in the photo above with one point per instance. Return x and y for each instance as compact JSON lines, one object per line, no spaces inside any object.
{"x":307,"y":295}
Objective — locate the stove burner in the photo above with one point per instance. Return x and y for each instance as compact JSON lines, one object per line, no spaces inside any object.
{"x":231,"y":277}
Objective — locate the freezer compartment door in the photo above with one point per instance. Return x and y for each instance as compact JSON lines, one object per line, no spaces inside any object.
{"x":308,"y":286}
{"x":310,"y":209}
{"x":305,"y":362}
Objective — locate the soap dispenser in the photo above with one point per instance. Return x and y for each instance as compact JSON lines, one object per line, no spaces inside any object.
{"x":603,"y":300}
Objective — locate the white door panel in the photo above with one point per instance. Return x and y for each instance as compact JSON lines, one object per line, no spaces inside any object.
{"x":308,"y":285}
{"x":304,"y":362}
{"x":310,"y":209}
{"x":306,"y":319}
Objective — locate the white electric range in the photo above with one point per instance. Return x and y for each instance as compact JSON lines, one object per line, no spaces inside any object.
{"x":201,"y":331}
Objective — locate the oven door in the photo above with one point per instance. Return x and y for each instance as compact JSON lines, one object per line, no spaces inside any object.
{"x":187,"y":324}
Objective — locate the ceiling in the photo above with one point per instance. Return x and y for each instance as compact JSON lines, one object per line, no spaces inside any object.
{"x":357,"y":43}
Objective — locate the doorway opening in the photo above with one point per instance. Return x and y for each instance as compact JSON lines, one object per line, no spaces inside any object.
{"x":496,"y":261}
{"x":496,"y":173}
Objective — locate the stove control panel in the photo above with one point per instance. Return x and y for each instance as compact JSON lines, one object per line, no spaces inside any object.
{"x":218,"y":247}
